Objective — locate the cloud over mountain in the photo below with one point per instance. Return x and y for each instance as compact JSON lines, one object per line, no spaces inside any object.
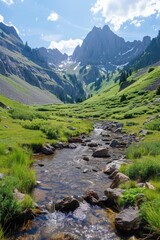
{"x":66,"y":46}
{"x":118,"y":12}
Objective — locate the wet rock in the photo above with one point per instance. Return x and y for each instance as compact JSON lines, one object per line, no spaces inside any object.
{"x":50,"y":207}
{"x":91,"y":197}
{"x":72,"y":146}
{"x":93,"y":144}
{"x":111,"y":167}
{"x":128,"y":220}
{"x":67,"y":204}
{"x":85,"y":170}
{"x":40,"y":164}
{"x":101,"y":153}
{"x":118,"y":130}
{"x":75,"y":140}
{"x":46,"y":150}
{"x":106,"y":140}
{"x":59,"y":145}
{"x":113,"y":194}
{"x":88,"y":140}
{"x":105,"y":134}
{"x":38,"y":183}
{"x":113,"y":174}
{"x":84,"y":144}
{"x":63,"y":236}
{"x":118,"y":179}
{"x":119,"y":125}
{"x":114,"y":143}
{"x":50,"y":146}
{"x":86,"y":158}
{"x":94,"y":170}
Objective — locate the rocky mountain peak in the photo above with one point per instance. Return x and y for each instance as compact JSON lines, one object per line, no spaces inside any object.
{"x":9,"y":30}
{"x":103,"y":47}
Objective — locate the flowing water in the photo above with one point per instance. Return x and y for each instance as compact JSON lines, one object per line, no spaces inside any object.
{"x":66,"y":173}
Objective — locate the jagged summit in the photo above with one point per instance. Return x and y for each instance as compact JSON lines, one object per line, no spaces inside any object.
{"x":103,"y":47}
{"x":10,"y":30}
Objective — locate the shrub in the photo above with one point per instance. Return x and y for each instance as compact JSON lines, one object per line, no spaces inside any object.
{"x":9,"y":207}
{"x":128,"y":184}
{"x":153,"y":125}
{"x":135,"y":150}
{"x":130,"y":196}
{"x":25,"y":177}
{"x":129,"y":115}
{"x":19,"y":167}
{"x":21,"y":114}
{"x":150,"y":212}
{"x":51,"y":132}
{"x":27,"y":203}
{"x":143,"y":169}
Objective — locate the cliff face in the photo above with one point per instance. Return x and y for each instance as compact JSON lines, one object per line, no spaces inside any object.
{"x":150,"y":56}
{"x":103,"y":47}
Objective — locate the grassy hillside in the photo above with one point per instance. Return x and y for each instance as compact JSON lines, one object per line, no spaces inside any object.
{"x":137,"y":106}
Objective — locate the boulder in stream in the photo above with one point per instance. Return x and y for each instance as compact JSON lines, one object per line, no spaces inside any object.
{"x":128,"y":220}
{"x":101,"y":153}
{"x":118,"y":179}
{"x":111,"y":167}
{"x":75,"y":140}
{"x":93,"y":144}
{"x":47,"y":149}
{"x":114,"y":143}
{"x":67,"y":204}
{"x":91,"y":197}
{"x":86,"y":158}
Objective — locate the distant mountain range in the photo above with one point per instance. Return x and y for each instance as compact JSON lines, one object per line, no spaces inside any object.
{"x":43,"y":75}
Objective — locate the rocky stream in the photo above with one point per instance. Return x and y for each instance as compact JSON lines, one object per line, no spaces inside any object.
{"x":79,"y":172}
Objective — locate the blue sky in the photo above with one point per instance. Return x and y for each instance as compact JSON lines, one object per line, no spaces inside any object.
{"x":63,"y":24}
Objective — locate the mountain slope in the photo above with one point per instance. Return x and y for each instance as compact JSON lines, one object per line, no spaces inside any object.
{"x":31,"y":66}
{"x":150,"y":56}
{"x":103,"y":47}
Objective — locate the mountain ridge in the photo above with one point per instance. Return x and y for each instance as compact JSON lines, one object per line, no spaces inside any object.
{"x":103,"y":47}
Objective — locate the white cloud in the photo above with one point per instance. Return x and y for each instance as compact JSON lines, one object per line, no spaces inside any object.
{"x":118,"y":12}
{"x":137,"y":23}
{"x":1,"y":18}
{"x":66,"y":46}
{"x":8,"y":2}
{"x":53,"y":17}
{"x":50,"y":37}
